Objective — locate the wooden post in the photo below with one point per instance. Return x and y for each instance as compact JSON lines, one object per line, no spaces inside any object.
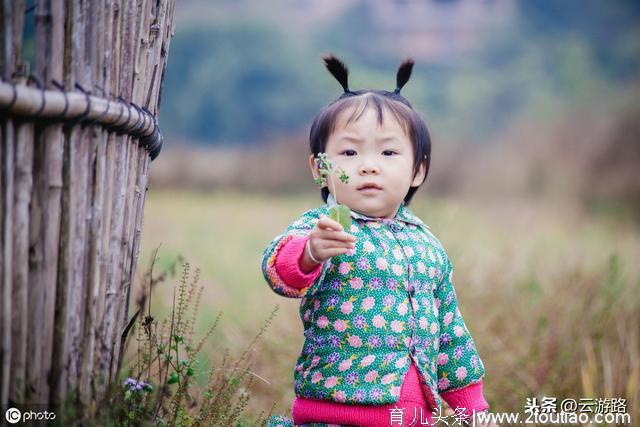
{"x":74,"y":160}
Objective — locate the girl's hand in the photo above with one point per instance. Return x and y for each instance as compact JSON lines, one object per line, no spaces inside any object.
{"x":327,"y":239}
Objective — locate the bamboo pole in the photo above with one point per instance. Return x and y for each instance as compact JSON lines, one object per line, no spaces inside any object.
{"x":74,"y":156}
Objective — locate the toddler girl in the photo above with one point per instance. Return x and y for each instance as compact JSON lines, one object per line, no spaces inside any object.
{"x":384,"y":339}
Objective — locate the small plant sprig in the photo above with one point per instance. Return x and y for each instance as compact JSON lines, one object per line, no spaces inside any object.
{"x":340,"y":213}
{"x":164,"y":378}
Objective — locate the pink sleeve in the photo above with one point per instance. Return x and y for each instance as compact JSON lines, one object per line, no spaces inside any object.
{"x":469,"y":397}
{"x":288,"y":264}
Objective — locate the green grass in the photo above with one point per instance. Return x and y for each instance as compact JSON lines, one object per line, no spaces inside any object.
{"x":550,"y":293}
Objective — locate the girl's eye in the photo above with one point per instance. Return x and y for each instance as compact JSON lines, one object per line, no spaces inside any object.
{"x":349,"y":152}
{"x":389,"y":152}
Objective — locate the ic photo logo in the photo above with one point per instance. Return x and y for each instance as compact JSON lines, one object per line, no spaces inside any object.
{"x":13,"y":415}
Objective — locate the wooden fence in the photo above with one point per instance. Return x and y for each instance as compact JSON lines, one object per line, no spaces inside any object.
{"x":77,"y":134}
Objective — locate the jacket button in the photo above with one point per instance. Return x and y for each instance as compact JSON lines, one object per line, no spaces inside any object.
{"x":412,"y":349}
{"x":412,"y":291}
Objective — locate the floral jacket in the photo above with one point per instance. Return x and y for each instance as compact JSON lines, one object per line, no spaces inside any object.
{"x":371,"y":310}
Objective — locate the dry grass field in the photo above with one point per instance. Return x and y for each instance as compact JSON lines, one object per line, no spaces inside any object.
{"x":550,"y":293}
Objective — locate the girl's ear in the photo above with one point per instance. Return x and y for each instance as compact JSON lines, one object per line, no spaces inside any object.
{"x":419,"y":178}
{"x":314,"y":166}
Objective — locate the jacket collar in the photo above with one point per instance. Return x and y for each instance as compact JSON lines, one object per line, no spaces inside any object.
{"x":403,"y":214}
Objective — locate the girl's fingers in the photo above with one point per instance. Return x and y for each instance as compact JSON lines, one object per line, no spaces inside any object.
{"x":330,"y":253}
{"x":340,"y":236}
{"x":326,"y":223}
{"x":329,"y":244}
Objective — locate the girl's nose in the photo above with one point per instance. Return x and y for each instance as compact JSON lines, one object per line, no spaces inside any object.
{"x":368,"y":169}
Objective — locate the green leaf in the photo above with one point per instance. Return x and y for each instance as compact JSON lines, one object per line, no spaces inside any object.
{"x":173,"y":378}
{"x":341,"y":214}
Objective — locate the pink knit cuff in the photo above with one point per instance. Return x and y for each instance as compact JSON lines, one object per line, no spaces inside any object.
{"x":469,"y":397}
{"x":288,"y":264}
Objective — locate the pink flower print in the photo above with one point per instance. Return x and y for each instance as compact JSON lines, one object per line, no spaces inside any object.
{"x":437,"y":300}
{"x":432,"y":272}
{"x":306,"y":372}
{"x":315,"y":361}
{"x":378,"y":321}
{"x":402,"y":309}
{"x":351,"y":252}
{"x":397,"y":326}
{"x":340,"y":396}
{"x":306,"y":314}
{"x":356,"y":283}
{"x":421,"y":268}
{"x":431,"y":256}
{"x":461,"y":373}
{"x":344,"y":365}
{"x":316,"y":305}
{"x":371,"y":376}
{"x":368,"y":303}
{"x":401,"y":362}
{"x":346,"y":307}
{"x":443,"y":383}
{"x":316,"y":377}
{"x":443,"y":359}
{"x":387,"y":379}
{"x":415,"y":305}
{"x":368,"y":246}
{"x":340,"y":325}
{"x":423,"y":323}
{"x":367,"y":360}
{"x":448,"y":318}
{"x":397,"y":269}
{"x":331,"y":382}
{"x":344,"y":268}
{"x":458,"y":331}
{"x":408,"y":251}
{"x":395,"y":391}
{"x":397,"y":253}
{"x":440,"y":260}
{"x":354,"y":228}
{"x":433,"y":328}
{"x":382,"y":263}
{"x":355,"y":341}
{"x":322,"y":322}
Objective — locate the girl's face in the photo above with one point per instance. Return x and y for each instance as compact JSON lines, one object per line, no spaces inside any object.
{"x":378,"y":160}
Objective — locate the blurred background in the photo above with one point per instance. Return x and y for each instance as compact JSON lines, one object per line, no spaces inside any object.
{"x":534,"y":189}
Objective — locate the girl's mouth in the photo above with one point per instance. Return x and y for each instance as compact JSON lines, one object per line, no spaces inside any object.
{"x":369,"y":187}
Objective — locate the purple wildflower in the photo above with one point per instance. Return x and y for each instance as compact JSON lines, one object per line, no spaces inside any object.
{"x":137,"y":385}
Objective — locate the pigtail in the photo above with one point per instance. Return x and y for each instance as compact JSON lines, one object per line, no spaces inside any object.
{"x":404,"y":72}
{"x":338,"y":70}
